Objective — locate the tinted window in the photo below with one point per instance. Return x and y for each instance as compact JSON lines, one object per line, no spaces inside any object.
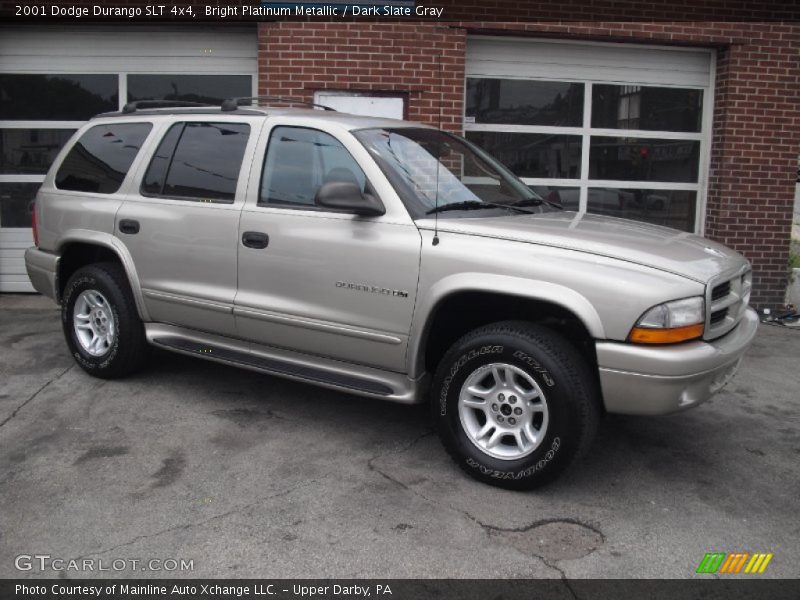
{"x":100,"y":159}
{"x":204,"y":165}
{"x":639,"y":159}
{"x":30,"y":150}
{"x":57,"y":97}
{"x":520,"y":102}
{"x":210,"y":89}
{"x":16,"y":203}
{"x":153,"y":183}
{"x":533,"y":154}
{"x":299,"y":161}
{"x":644,"y":107}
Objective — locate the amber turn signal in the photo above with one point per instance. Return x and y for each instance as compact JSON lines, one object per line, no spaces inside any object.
{"x":646,"y":335}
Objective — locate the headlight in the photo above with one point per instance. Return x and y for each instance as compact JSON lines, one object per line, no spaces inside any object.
{"x":671,"y":322}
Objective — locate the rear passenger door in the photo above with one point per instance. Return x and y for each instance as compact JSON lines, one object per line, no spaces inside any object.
{"x":181,"y":225}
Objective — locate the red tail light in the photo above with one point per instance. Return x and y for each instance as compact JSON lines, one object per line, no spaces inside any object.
{"x":34,"y":228}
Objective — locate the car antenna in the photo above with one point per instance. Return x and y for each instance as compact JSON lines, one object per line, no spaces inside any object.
{"x":435,"y":241}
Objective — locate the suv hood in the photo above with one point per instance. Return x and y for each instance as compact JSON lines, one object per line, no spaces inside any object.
{"x":653,"y":246}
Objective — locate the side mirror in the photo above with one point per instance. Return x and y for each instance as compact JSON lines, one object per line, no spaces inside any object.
{"x":347,"y":197}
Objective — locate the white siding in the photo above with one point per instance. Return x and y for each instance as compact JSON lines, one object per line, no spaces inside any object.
{"x":13,"y":277}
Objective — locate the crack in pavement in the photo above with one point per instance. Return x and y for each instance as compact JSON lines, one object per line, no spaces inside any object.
{"x":198,"y":523}
{"x":371,"y":462}
{"x":487,"y":527}
{"x":541,"y":522}
{"x":553,"y":564}
{"x":36,"y":393}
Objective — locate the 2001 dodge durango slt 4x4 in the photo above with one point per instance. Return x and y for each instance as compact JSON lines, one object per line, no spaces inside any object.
{"x":387,"y":259}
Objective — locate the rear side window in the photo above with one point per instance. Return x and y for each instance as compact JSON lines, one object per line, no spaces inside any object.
{"x":198,"y":161}
{"x":100,"y":159}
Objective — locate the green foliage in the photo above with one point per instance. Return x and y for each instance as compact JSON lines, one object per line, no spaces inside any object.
{"x":794,"y":255}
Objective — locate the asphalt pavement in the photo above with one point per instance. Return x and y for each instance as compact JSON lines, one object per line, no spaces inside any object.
{"x":247,"y":475}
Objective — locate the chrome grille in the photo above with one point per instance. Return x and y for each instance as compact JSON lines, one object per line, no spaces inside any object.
{"x":727,"y":297}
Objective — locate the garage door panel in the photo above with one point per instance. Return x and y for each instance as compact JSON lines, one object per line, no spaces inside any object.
{"x":131,"y":50}
{"x":586,"y":61}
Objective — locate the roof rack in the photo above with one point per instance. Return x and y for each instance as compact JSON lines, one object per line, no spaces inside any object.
{"x":132,"y":107}
{"x":232,"y":104}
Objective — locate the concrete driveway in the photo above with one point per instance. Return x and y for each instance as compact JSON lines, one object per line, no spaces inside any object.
{"x":247,"y":475}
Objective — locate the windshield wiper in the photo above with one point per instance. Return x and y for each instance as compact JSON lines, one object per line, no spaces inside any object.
{"x":537,"y":202}
{"x":528,"y":202}
{"x":473,"y":205}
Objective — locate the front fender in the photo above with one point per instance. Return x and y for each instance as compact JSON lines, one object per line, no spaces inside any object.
{"x":506,"y":285}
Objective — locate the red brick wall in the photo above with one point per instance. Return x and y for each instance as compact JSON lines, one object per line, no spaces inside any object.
{"x":756,"y":140}
{"x":424,"y":61}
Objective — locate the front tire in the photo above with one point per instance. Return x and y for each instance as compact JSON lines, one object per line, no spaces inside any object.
{"x":514,"y":404}
{"x":101,"y":325}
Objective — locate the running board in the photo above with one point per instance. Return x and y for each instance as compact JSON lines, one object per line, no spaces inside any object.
{"x":325,"y":372}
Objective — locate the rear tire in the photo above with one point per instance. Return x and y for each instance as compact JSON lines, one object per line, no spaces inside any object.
{"x":514,"y":404}
{"x":101,"y":324}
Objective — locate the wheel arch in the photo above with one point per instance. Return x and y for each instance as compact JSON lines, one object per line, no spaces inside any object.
{"x":479,"y":299}
{"x":78,"y":248}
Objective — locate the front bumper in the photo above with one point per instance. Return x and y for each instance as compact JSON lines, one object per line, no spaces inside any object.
{"x":649,"y":380}
{"x":42,"y":270}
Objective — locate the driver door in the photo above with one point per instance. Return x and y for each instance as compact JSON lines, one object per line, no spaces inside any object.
{"x":319,"y":281}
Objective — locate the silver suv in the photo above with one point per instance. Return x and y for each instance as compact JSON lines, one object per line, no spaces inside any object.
{"x":382,"y":258}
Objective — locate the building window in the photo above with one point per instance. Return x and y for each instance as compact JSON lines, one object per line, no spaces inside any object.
{"x":630,"y":151}
{"x":59,"y":97}
{"x":207,"y":89}
{"x":39,"y":113}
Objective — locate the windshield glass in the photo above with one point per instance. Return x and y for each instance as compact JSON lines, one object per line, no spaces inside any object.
{"x":434,"y":171}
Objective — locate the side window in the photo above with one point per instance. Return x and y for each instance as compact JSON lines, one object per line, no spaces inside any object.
{"x":100,"y":159}
{"x":299,"y":161}
{"x":198,"y":161}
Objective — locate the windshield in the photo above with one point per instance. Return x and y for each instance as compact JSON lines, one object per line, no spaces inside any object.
{"x":434,"y":171}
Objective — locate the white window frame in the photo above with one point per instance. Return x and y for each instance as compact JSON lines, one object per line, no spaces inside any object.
{"x":583,"y":182}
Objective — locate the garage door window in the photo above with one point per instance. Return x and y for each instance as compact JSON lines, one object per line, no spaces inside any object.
{"x":209,"y":89}
{"x":631,"y":151}
{"x":59,"y":97}
{"x":40,"y":112}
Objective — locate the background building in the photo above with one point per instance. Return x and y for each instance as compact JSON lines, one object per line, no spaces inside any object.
{"x":694,"y":125}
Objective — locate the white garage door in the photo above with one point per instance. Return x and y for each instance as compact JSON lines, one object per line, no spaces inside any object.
{"x":618,"y":129}
{"x":54,"y":79}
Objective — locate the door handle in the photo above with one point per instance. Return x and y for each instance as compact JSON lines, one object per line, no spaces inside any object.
{"x":255,"y":239}
{"x":129,"y":226}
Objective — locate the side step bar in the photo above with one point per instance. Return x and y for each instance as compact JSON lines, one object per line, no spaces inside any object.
{"x":348,"y":377}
